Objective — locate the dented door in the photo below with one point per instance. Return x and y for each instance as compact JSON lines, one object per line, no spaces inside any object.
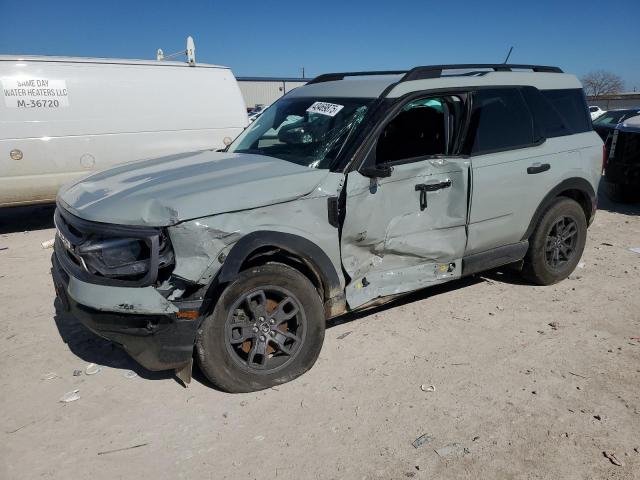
{"x":406,"y":231}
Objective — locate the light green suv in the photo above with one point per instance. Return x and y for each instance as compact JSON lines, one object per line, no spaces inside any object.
{"x":344,"y":194}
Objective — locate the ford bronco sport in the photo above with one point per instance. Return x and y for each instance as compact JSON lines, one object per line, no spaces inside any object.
{"x":347,"y":192}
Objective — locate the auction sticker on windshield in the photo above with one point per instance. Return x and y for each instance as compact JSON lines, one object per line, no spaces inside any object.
{"x":324,"y":108}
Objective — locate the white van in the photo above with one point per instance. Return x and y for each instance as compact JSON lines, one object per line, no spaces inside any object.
{"x":64,"y":117}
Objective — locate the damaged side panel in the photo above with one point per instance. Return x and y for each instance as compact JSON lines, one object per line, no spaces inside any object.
{"x":202,"y":245}
{"x":394,"y":240}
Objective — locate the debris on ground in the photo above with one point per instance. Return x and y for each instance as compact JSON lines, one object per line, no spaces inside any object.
{"x":71,"y":396}
{"x":48,"y":243}
{"x":92,"y":369}
{"x":450,"y":449}
{"x":554,"y":325}
{"x":421,"y":440}
{"x":613,"y":459}
{"x":577,"y":375}
{"x":130,"y":374}
{"x":123,"y":449}
{"x":581,"y":264}
{"x":4,"y":248}
{"x":77,"y":373}
{"x":607,"y":244}
{"x":428,"y":388}
{"x":344,"y":335}
{"x":49,"y":376}
{"x":597,"y":417}
{"x":635,"y":249}
{"x":477,"y":437}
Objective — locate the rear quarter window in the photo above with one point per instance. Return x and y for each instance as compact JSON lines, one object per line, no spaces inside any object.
{"x":571,"y":105}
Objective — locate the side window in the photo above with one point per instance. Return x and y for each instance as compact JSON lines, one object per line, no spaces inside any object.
{"x":424,"y":127}
{"x":500,"y":120}
{"x":572,"y":107}
{"x":548,"y":121}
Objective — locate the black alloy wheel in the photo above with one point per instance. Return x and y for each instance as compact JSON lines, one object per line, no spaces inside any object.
{"x":561,"y":242}
{"x":265,"y":329}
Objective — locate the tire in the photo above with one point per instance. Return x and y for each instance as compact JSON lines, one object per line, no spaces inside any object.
{"x":621,"y":193}
{"x":540,"y":266}
{"x":244,"y":346}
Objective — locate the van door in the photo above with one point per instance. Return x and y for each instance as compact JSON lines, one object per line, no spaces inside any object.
{"x":406,"y":229}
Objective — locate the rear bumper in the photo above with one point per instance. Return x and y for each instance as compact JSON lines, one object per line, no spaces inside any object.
{"x":151,"y":331}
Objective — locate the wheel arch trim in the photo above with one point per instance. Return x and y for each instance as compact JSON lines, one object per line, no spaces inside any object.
{"x":296,"y":245}
{"x":575,"y":183}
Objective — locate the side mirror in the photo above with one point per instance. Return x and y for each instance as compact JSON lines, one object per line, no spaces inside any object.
{"x":377,"y":171}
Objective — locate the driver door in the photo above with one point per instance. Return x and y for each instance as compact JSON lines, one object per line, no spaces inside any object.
{"x":406,"y":207}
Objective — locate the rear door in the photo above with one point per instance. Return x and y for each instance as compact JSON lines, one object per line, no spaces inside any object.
{"x":509,"y":168}
{"x":522,"y":143}
{"x":406,"y":229}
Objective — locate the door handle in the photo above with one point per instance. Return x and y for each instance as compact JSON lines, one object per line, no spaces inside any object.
{"x":423,"y":188}
{"x":538,"y":168}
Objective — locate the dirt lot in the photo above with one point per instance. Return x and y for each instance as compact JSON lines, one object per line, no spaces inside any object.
{"x":521,"y":398}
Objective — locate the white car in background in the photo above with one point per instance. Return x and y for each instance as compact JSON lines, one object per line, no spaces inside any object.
{"x":595,"y":111}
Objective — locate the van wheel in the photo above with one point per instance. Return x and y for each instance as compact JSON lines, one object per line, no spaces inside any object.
{"x":267,"y":328}
{"x":557,"y":243}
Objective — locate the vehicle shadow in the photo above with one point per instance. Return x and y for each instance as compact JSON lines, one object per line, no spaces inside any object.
{"x":91,"y":348}
{"x":29,"y":218}
{"x":605,"y":203}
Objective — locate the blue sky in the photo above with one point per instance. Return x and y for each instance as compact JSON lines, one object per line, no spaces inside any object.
{"x":277,"y":38}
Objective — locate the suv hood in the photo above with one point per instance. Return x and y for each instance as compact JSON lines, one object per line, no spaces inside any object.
{"x":168,"y":190}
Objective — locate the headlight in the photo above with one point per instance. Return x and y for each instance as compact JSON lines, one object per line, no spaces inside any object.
{"x":117,"y":257}
{"x":112,"y":254}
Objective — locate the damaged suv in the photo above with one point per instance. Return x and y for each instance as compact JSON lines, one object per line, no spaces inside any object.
{"x":344,"y":194}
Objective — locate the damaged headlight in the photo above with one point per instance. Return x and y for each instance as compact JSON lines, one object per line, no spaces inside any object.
{"x":119,"y":255}
{"x":125,"y":257}
{"x":113,"y":254}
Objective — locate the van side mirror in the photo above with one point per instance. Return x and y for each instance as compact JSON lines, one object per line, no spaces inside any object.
{"x":377,"y":171}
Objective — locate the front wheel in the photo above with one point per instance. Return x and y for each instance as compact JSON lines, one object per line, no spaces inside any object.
{"x":267,"y":328}
{"x":557,"y":243}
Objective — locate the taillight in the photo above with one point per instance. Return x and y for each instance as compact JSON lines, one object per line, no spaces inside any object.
{"x":604,"y":157}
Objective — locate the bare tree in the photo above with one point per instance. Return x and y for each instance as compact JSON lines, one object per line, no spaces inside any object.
{"x":601,"y":82}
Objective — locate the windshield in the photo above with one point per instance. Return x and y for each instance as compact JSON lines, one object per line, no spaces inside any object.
{"x":615,"y":117}
{"x":306,"y":131}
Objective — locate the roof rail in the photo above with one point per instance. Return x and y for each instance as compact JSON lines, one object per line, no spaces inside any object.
{"x":435,"y":71}
{"x":330,"y":77}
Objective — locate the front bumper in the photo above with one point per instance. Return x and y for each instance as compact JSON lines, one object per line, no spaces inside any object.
{"x":146,"y":325}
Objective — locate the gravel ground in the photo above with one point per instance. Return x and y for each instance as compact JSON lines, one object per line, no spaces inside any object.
{"x":530,"y":382}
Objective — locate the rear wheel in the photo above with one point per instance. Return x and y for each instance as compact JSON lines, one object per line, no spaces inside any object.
{"x":557,"y":243}
{"x":267,"y":328}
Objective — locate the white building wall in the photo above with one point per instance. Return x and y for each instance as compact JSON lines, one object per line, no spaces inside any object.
{"x":256,"y":92}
